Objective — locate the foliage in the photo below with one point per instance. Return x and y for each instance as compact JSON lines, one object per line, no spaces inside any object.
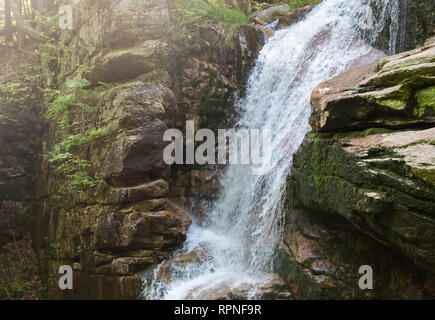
{"x":17,"y":289}
{"x":64,"y":158}
{"x":64,"y":100}
{"x":214,"y":14}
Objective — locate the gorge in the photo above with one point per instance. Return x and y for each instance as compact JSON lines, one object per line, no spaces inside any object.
{"x":346,"y":89}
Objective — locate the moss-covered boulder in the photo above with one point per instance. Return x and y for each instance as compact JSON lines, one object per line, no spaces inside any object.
{"x":396,"y":93}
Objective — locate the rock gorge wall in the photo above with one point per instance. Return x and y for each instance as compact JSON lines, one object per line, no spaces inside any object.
{"x":152,"y":82}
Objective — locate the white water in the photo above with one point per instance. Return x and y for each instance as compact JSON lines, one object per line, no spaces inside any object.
{"x":244,"y":225}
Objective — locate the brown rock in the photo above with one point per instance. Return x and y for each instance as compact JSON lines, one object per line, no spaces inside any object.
{"x":152,"y":190}
{"x":377,"y":96}
{"x":294,"y":16}
{"x":383,"y":184}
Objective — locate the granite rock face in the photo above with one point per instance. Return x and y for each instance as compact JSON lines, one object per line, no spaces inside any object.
{"x":395,"y":93}
{"x":383,"y":184}
{"x":362,"y":185}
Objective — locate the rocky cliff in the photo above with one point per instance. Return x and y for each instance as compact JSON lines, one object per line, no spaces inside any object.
{"x":143,"y":81}
{"x":362,"y":185}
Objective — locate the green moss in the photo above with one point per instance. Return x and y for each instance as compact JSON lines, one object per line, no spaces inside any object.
{"x":372,"y":131}
{"x":320,"y":166}
{"x":352,"y":134}
{"x":411,"y":76}
{"x":72,"y":110}
{"x":412,"y":62}
{"x":381,"y":64}
{"x":393,"y":104}
{"x":314,"y":135}
{"x":426,"y":175}
{"x":396,"y":99}
{"x":426,"y":100}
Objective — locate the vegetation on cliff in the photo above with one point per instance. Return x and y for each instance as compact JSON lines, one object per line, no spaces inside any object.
{"x":82,"y":113}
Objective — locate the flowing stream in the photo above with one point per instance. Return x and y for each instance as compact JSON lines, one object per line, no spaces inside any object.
{"x":235,"y":245}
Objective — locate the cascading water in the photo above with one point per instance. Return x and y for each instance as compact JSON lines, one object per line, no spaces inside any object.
{"x":236,"y":243}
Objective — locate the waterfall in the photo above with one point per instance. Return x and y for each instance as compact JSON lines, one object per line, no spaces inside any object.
{"x":236,"y":243}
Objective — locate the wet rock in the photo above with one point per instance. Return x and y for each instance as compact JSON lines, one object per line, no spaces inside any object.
{"x":294,"y":16}
{"x":365,"y":197}
{"x":113,"y":24}
{"x":202,"y":183}
{"x":418,"y":18}
{"x":130,"y":266}
{"x":275,"y":289}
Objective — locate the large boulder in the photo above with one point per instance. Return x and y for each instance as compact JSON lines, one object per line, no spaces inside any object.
{"x":250,"y":41}
{"x":127,"y":223}
{"x":396,"y":93}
